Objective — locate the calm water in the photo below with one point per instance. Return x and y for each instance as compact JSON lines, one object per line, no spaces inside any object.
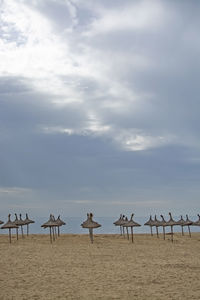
{"x":73,"y":225}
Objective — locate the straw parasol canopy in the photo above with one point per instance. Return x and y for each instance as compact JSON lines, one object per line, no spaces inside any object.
{"x":28,"y":221}
{"x":150,"y":223}
{"x":197,"y":223}
{"x":9,"y":225}
{"x":117,"y":223}
{"x":86,"y":222}
{"x":90,"y":224}
{"x":60,"y":223}
{"x":51,"y":224}
{"x":131,"y":224}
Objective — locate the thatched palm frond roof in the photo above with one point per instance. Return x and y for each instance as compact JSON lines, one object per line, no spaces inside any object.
{"x":28,"y":221}
{"x":9,"y":224}
{"x":171,"y":221}
{"x":150,"y":222}
{"x":50,"y":223}
{"x":131,"y":223}
{"x":60,"y":222}
{"x":197,"y":223}
{"x":89,"y":223}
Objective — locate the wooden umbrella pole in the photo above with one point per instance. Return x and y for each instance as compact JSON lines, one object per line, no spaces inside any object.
{"x":189,"y":230}
{"x":53,"y":233}
{"x":50,"y":234}
{"x":157,"y":231}
{"x":172,"y":234}
{"x":127,"y":233}
{"x":10,"y":235}
{"x":91,"y":234}
{"x":58,"y":230}
{"x":151,"y":231}
{"x":123,"y":231}
{"x":182,"y":229}
{"x":163,"y":232}
{"x":27,"y":231}
{"x":22,"y":231}
{"x":120,"y":230}
{"x":132,"y":234}
{"x":17,"y":233}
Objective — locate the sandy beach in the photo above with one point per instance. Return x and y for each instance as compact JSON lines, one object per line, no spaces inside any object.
{"x":111,"y":268}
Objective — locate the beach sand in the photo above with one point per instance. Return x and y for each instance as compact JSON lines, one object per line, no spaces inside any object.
{"x":111,"y":268}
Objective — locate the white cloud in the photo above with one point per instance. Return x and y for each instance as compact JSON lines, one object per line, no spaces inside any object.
{"x":139,"y":15}
{"x":14,"y":190}
{"x":129,"y":139}
{"x":83,"y":201}
{"x":136,"y":140}
{"x":92,"y":127}
{"x":30,"y":48}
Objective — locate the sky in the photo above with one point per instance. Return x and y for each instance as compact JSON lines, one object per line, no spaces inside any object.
{"x":99,"y":107}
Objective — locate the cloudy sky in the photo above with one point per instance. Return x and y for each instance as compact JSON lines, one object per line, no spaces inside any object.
{"x":99,"y":106}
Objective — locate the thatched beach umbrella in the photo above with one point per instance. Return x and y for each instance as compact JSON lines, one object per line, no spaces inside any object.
{"x":90,"y":224}
{"x":131,"y":224}
{"x":171,"y":223}
{"x":60,"y":223}
{"x":123,"y":222}
{"x":54,"y":228}
{"x":150,"y":223}
{"x":164,"y":224}
{"x":28,"y":221}
{"x":16,"y":223}
{"x":124,"y":226}
{"x":188,"y":223}
{"x":120,"y":222}
{"x":9,"y":225}
{"x":21,"y":224}
{"x":157,"y":224}
{"x":86,"y":222}
{"x":197,"y":223}
{"x":51,"y":224}
{"x":181,"y":222}
{"x":1,"y":222}
{"x":117,"y":223}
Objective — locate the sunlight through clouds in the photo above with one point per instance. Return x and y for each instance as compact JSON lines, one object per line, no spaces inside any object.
{"x":46,"y":59}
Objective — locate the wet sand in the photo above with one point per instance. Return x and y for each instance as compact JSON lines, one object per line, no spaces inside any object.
{"x":111,"y":268}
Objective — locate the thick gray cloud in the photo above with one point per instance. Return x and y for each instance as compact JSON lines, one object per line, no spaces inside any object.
{"x":99,"y":109}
